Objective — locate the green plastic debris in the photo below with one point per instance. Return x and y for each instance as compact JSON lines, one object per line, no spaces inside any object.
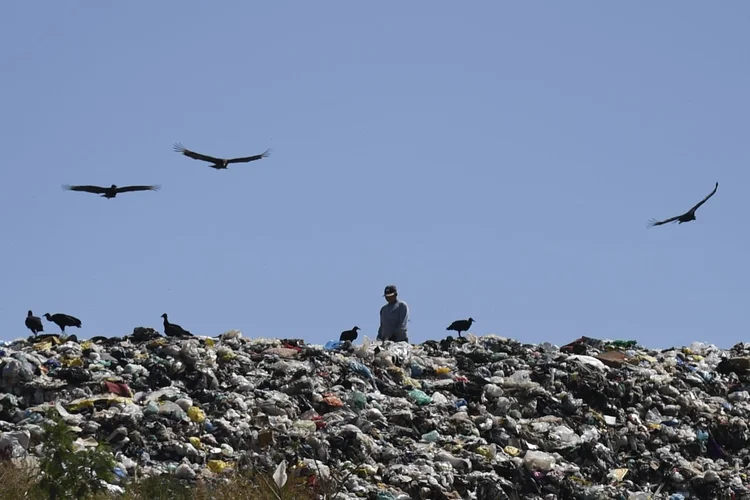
{"x":420,"y":397}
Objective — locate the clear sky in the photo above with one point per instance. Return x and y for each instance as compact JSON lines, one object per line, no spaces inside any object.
{"x":497,"y":160}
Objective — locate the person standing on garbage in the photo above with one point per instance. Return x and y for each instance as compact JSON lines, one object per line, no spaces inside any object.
{"x":393,"y":317}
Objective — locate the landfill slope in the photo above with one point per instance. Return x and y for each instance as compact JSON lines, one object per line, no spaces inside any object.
{"x":484,"y":417}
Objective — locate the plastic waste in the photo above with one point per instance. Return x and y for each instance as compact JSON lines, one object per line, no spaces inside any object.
{"x":480,"y":417}
{"x":333,"y":344}
{"x":420,"y":397}
{"x":431,"y":437}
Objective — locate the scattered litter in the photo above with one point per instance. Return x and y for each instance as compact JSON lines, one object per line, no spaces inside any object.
{"x":480,"y":417}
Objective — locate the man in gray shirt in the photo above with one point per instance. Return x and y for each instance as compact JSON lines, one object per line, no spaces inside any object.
{"x":393,"y":317}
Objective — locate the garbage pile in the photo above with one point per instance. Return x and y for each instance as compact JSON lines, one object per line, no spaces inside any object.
{"x":477,"y":417}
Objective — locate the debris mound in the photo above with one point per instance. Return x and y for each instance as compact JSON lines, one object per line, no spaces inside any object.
{"x":476,"y":417}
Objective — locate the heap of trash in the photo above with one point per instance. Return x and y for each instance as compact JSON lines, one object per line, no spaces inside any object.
{"x":477,"y":417}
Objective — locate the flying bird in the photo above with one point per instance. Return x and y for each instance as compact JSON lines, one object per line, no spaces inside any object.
{"x":350,"y":335}
{"x":111,"y":191}
{"x":63,"y":320}
{"x":218,"y":163}
{"x":461,"y":325}
{"x":687,"y":216}
{"x":172,"y":330}
{"x":34,"y":323}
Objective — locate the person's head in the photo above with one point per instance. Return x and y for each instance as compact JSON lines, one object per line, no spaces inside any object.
{"x":390,"y":294}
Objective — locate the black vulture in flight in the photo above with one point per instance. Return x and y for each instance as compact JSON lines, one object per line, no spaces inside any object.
{"x":172,"y":330}
{"x":687,"y":216}
{"x":219,"y":163}
{"x":63,"y":320}
{"x":461,"y":325}
{"x":111,"y":191}
{"x":34,"y":323}
{"x":350,"y":335}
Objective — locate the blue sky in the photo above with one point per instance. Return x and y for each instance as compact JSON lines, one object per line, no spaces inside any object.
{"x":496,"y":159}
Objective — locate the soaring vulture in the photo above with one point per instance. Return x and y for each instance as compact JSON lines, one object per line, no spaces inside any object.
{"x":218,"y":163}
{"x":687,"y":216}
{"x":111,"y":191}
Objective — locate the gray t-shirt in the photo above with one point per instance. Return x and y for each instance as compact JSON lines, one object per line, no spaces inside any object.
{"x":393,"y":319}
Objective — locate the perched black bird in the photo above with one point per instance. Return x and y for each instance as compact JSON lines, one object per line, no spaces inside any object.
{"x":461,"y":325}
{"x":687,"y":216}
{"x":63,"y":320}
{"x":350,"y":335}
{"x":111,"y":191}
{"x":34,"y":323}
{"x":172,"y":330}
{"x":218,"y":163}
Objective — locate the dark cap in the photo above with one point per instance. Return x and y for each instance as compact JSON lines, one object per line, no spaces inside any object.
{"x":390,"y":290}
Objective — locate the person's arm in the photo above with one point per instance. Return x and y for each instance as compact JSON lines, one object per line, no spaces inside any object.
{"x":380,"y":328}
{"x":403,"y":317}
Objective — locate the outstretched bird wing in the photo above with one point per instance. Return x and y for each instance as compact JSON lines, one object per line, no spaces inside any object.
{"x":654,"y":222}
{"x":704,"y":200}
{"x":127,"y":189}
{"x":246,"y":159}
{"x":196,"y":156}
{"x":87,"y":189}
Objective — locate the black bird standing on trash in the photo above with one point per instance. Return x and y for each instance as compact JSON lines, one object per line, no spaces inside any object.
{"x":63,"y":320}
{"x":34,"y":323}
{"x":461,"y":325}
{"x":350,"y":335}
{"x":219,"y":163}
{"x":111,"y":191}
{"x":172,"y":330}
{"x":687,"y":216}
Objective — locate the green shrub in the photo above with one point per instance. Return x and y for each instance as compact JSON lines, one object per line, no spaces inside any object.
{"x":69,"y":474}
{"x":65,"y":474}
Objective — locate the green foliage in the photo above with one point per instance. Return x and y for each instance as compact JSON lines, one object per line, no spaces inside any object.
{"x":65,"y":474}
{"x":69,"y":474}
{"x":21,"y":483}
